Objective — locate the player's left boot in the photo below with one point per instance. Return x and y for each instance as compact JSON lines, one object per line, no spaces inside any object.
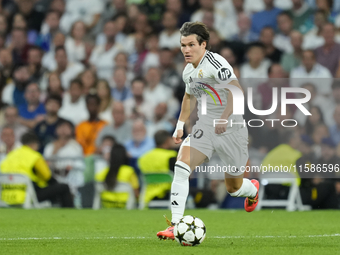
{"x":251,"y":203}
{"x":168,"y":233}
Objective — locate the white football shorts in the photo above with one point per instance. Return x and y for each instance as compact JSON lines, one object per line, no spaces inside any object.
{"x":231,"y":147}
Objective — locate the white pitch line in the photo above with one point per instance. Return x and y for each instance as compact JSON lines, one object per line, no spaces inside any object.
{"x":141,"y":237}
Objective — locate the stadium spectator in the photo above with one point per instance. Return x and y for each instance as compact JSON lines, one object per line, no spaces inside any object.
{"x":32,"y":111}
{"x":87,"y":131}
{"x":244,"y":33}
{"x":118,"y":172}
{"x":301,"y":14}
{"x":74,"y":44}
{"x":54,"y":85}
{"x":104,"y":93}
{"x":327,"y":7}
{"x":7,"y":142}
{"x":282,"y":40}
{"x":49,"y":29}
{"x":120,"y":91}
{"x":313,"y":120}
{"x":138,"y":106}
{"x":267,"y":38}
{"x":152,"y":57}
{"x":289,"y":61}
{"x":73,"y":106}
{"x":176,"y":7}
{"x":35,"y":67}
{"x":48,"y":60}
{"x":45,"y":130}
{"x":102,"y":57}
{"x":170,"y":76}
{"x":65,"y":157}
{"x":140,"y":142}
{"x":158,"y":160}
{"x":265,"y":18}
{"x":66,"y":69}
{"x":328,"y":55}
{"x":331,"y":103}
{"x":334,"y":130}
{"x":87,"y":11}
{"x":6,"y":64}
{"x":120,"y":129}
{"x":320,"y":132}
{"x":215,"y":41}
{"x":170,"y":35}
{"x":89,"y":81}
{"x":257,"y":65}
{"x":3,"y":24}
{"x":160,"y":121}
{"x":19,"y":46}
{"x":26,"y":158}
{"x":13,"y":93}
{"x":12,"y":121}
{"x":121,"y":60}
{"x":309,"y":70}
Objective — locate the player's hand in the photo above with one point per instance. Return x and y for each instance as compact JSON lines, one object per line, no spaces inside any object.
{"x":177,"y":136}
{"x":220,"y":128}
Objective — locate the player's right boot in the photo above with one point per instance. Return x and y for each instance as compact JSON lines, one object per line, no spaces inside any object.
{"x":167,"y":233}
{"x":251,"y":203}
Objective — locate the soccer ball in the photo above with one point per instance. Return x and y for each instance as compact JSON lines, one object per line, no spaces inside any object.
{"x":190,"y":231}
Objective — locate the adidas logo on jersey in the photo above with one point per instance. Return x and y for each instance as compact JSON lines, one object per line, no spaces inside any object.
{"x":174,"y":203}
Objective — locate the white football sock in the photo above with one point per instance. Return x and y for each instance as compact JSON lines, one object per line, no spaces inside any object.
{"x":247,"y":189}
{"x":179,"y":190}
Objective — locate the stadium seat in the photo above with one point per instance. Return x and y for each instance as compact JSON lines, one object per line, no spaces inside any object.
{"x":154,"y":179}
{"x":24,"y":194}
{"x":293,"y":202}
{"x":119,"y":189}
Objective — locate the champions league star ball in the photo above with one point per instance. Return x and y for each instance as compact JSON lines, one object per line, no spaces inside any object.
{"x":189,"y":231}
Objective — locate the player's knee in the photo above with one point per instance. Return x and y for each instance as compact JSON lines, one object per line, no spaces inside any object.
{"x":233,"y":188}
{"x":184,"y":158}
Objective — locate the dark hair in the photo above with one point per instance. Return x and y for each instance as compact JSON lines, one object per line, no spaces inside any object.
{"x":287,"y":136}
{"x":160,"y":137}
{"x":92,"y":96}
{"x":118,"y":157}
{"x":270,"y":68}
{"x":286,"y":13}
{"x":29,"y":138}
{"x":77,"y":81}
{"x":69,"y":123}
{"x":60,"y":48}
{"x":256,"y":45}
{"x":139,"y":79}
{"x":35,"y":47}
{"x":108,"y":137}
{"x":309,"y":127}
{"x":196,"y":28}
{"x":55,"y":98}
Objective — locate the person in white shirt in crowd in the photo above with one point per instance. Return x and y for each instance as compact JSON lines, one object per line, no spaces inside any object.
{"x":120,"y":90}
{"x":152,"y":57}
{"x":65,"y":157}
{"x":289,"y":61}
{"x":87,"y":11}
{"x":104,"y":93}
{"x":170,"y":35}
{"x":311,"y":71}
{"x":138,"y":106}
{"x":122,"y":60}
{"x":256,"y":67}
{"x":12,"y":120}
{"x":314,"y":39}
{"x":120,"y":129}
{"x":66,"y":69}
{"x":7,"y":141}
{"x":89,"y":80}
{"x":156,"y":92}
{"x":49,"y":29}
{"x":102,"y":57}
{"x":160,"y":121}
{"x":282,"y":39}
{"x":74,"y":107}
{"x":74,"y":44}
{"x":48,"y":60}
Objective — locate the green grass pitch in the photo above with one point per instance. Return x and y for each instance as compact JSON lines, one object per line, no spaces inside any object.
{"x":58,"y":231}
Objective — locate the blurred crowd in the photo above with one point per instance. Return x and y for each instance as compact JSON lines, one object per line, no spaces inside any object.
{"x":84,"y":75}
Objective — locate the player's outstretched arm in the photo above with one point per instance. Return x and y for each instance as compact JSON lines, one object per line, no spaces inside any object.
{"x":184,"y":115}
{"x":221,"y":128}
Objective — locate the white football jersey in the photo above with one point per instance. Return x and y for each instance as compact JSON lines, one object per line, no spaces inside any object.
{"x":202,"y":80}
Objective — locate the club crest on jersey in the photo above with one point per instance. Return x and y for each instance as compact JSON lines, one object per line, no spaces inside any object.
{"x":200,"y":74}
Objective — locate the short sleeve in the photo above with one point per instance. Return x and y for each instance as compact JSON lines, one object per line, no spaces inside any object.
{"x":220,"y":68}
{"x":187,"y":88}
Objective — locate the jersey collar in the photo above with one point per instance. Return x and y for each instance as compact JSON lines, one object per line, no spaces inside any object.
{"x":205,"y":54}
